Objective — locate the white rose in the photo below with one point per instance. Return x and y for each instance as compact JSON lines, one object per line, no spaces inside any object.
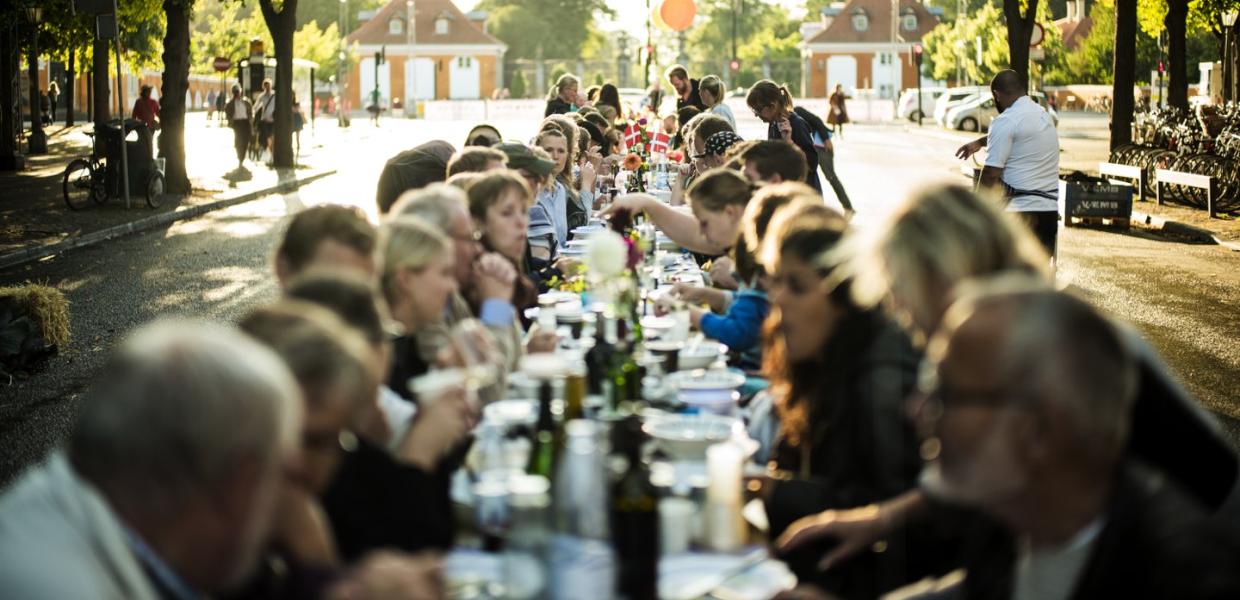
{"x":606,"y":255}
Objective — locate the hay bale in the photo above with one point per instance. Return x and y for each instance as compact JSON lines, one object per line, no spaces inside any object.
{"x":45,"y":305}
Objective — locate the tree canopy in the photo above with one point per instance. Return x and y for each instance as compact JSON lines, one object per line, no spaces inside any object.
{"x":227,"y":31}
{"x":525,"y":26}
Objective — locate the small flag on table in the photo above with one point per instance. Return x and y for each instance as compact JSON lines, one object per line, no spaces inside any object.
{"x":659,"y":144}
{"x":632,"y":135}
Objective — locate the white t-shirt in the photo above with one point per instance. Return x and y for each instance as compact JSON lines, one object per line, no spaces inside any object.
{"x":239,"y":110}
{"x":267,"y":106}
{"x":1024,"y":143}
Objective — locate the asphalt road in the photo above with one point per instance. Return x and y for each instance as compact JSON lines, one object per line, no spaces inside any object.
{"x":1182,"y":297}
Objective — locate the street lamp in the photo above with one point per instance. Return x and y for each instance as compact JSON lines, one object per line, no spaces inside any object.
{"x":37,"y":142}
{"x":1229,"y":53}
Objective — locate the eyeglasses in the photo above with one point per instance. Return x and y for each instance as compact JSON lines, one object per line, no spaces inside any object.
{"x":757,"y":111}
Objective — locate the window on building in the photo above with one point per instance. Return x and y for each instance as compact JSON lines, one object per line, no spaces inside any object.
{"x":909,"y":21}
{"x":396,"y":26}
{"x":441,"y":26}
{"x":464,"y":62}
{"x":860,"y":20}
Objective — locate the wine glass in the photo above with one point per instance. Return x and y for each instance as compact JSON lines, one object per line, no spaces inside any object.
{"x":474,"y":346}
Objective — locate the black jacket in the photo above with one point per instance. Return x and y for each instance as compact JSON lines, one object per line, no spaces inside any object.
{"x":860,"y":449}
{"x":556,"y":106}
{"x":695,"y":98}
{"x":1156,"y":543}
{"x":801,"y":137}
{"x":815,"y":124}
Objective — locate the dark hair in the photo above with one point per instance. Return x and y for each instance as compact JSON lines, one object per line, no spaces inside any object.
{"x":592,"y":92}
{"x":677,"y":71}
{"x":1008,"y":82}
{"x":410,"y":170}
{"x":474,"y":159}
{"x":708,"y":124}
{"x":348,"y":295}
{"x":308,"y":228}
{"x":608,"y":95}
{"x":776,"y":157}
{"x":483,"y":135}
{"x":718,"y":188}
{"x":765,"y":93}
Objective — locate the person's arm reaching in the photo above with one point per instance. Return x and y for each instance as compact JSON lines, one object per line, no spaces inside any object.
{"x":682,"y":228}
{"x":856,"y":529}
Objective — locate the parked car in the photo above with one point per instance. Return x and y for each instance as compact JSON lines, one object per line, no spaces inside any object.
{"x":953,"y":97}
{"x":977,"y":113}
{"x":907,"y":106}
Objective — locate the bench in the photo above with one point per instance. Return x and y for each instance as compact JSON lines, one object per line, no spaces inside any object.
{"x":1133,"y":172}
{"x":1204,"y":182}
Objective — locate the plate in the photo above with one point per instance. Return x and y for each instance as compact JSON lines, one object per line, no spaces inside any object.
{"x":700,"y":379}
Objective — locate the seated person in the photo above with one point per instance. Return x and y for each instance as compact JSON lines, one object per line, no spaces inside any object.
{"x":475,"y":159}
{"x":411,"y":170}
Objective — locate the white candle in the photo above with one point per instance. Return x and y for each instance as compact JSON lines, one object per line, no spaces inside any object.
{"x":723,"y":466}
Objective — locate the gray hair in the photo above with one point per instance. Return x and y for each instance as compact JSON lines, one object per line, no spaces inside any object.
{"x":1058,"y":350}
{"x":183,"y":405}
{"x":434,"y":204}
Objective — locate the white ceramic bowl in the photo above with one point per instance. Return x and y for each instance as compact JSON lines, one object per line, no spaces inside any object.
{"x":512,"y":412}
{"x":704,"y":380}
{"x":701,"y":356}
{"x":686,"y":437}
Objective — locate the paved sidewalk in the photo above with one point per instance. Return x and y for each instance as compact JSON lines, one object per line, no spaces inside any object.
{"x":35,"y":221}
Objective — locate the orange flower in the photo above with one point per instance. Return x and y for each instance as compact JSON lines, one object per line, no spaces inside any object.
{"x":632,"y":162}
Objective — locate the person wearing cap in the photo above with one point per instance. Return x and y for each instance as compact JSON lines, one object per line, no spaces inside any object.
{"x":535,"y":169}
{"x":483,"y":135}
{"x":411,"y":170}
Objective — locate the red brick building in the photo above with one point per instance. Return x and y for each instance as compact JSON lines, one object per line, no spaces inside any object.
{"x":444,"y":55}
{"x":855,"y":45}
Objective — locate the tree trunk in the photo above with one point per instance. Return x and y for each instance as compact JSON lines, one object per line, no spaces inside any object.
{"x":1020,"y":30}
{"x":8,"y":97}
{"x":1176,"y":23}
{"x":99,"y":81}
{"x":172,"y":96}
{"x":1125,"y":72}
{"x":70,"y":89}
{"x":282,"y":24}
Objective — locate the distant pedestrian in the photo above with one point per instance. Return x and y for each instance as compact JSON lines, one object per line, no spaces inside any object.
{"x":220,"y":102}
{"x":375,"y":108}
{"x":687,"y":93}
{"x":265,"y":114}
{"x":53,"y":96}
{"x":563,"y":96}
{"x":240,"y":113}
{"x":45,"y":106}
{"x":210,"y":105}
{"x":299,"y":121}
{"x":146,"y":110}
{"x":839,"y":112}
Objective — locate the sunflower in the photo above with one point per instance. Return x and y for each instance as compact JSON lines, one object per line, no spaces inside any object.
{"x":632,"y":162}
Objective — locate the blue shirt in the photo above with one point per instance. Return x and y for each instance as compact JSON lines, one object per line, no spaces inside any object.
{"x":550,"y":214}
{"x":741,"y":328}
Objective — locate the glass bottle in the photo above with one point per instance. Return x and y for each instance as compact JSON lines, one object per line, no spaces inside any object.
{"x":598,"y":358}
{"x":582,"y":560}
{"x":634,"y":515}
{"x":547,"y":437}
{"x":525,"y":571}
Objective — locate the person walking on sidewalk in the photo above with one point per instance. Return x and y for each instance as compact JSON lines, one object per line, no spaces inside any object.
{"x":220,"y":102}
{"x":53,"y":95}
{"x":821,"y":135}
{"x":265,"y":113}
{"x":839,"y":113}
{"x":1023,"y":159}
{"x":239,"y":113}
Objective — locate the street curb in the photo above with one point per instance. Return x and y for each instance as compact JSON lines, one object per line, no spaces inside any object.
{"x":1191,"y":231}
{"x":26,"y":255}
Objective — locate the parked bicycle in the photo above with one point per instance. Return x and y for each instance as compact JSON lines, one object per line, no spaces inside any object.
{"x":96,"y":178}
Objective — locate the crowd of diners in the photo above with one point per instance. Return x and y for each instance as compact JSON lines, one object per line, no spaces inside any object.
{"x":937,"y":413}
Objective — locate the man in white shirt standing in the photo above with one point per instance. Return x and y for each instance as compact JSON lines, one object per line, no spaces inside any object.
{"x":1023,"y":157}
{"x":265,"y":112}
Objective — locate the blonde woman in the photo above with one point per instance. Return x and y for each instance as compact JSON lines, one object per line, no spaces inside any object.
{"x":563,"y":97}
{"x":713,"y":94}
{"x":417,"y":277}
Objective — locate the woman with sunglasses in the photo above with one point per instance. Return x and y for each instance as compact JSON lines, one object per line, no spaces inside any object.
{"x":773,"y":104}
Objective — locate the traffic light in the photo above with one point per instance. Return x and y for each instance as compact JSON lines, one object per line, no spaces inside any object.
{"x":917,"y":50}
{"x":735,"y":65}
{"x":1160,"y":67}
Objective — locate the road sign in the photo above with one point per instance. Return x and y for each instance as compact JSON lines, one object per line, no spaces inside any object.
{"x":221,"y":64}
{"x":1037,"y":35}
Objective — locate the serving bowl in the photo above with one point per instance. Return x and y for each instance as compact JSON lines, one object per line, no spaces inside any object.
{"x":686,"y":437}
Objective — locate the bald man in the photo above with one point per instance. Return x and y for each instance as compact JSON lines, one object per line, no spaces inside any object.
{"x":1023,"y":157}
